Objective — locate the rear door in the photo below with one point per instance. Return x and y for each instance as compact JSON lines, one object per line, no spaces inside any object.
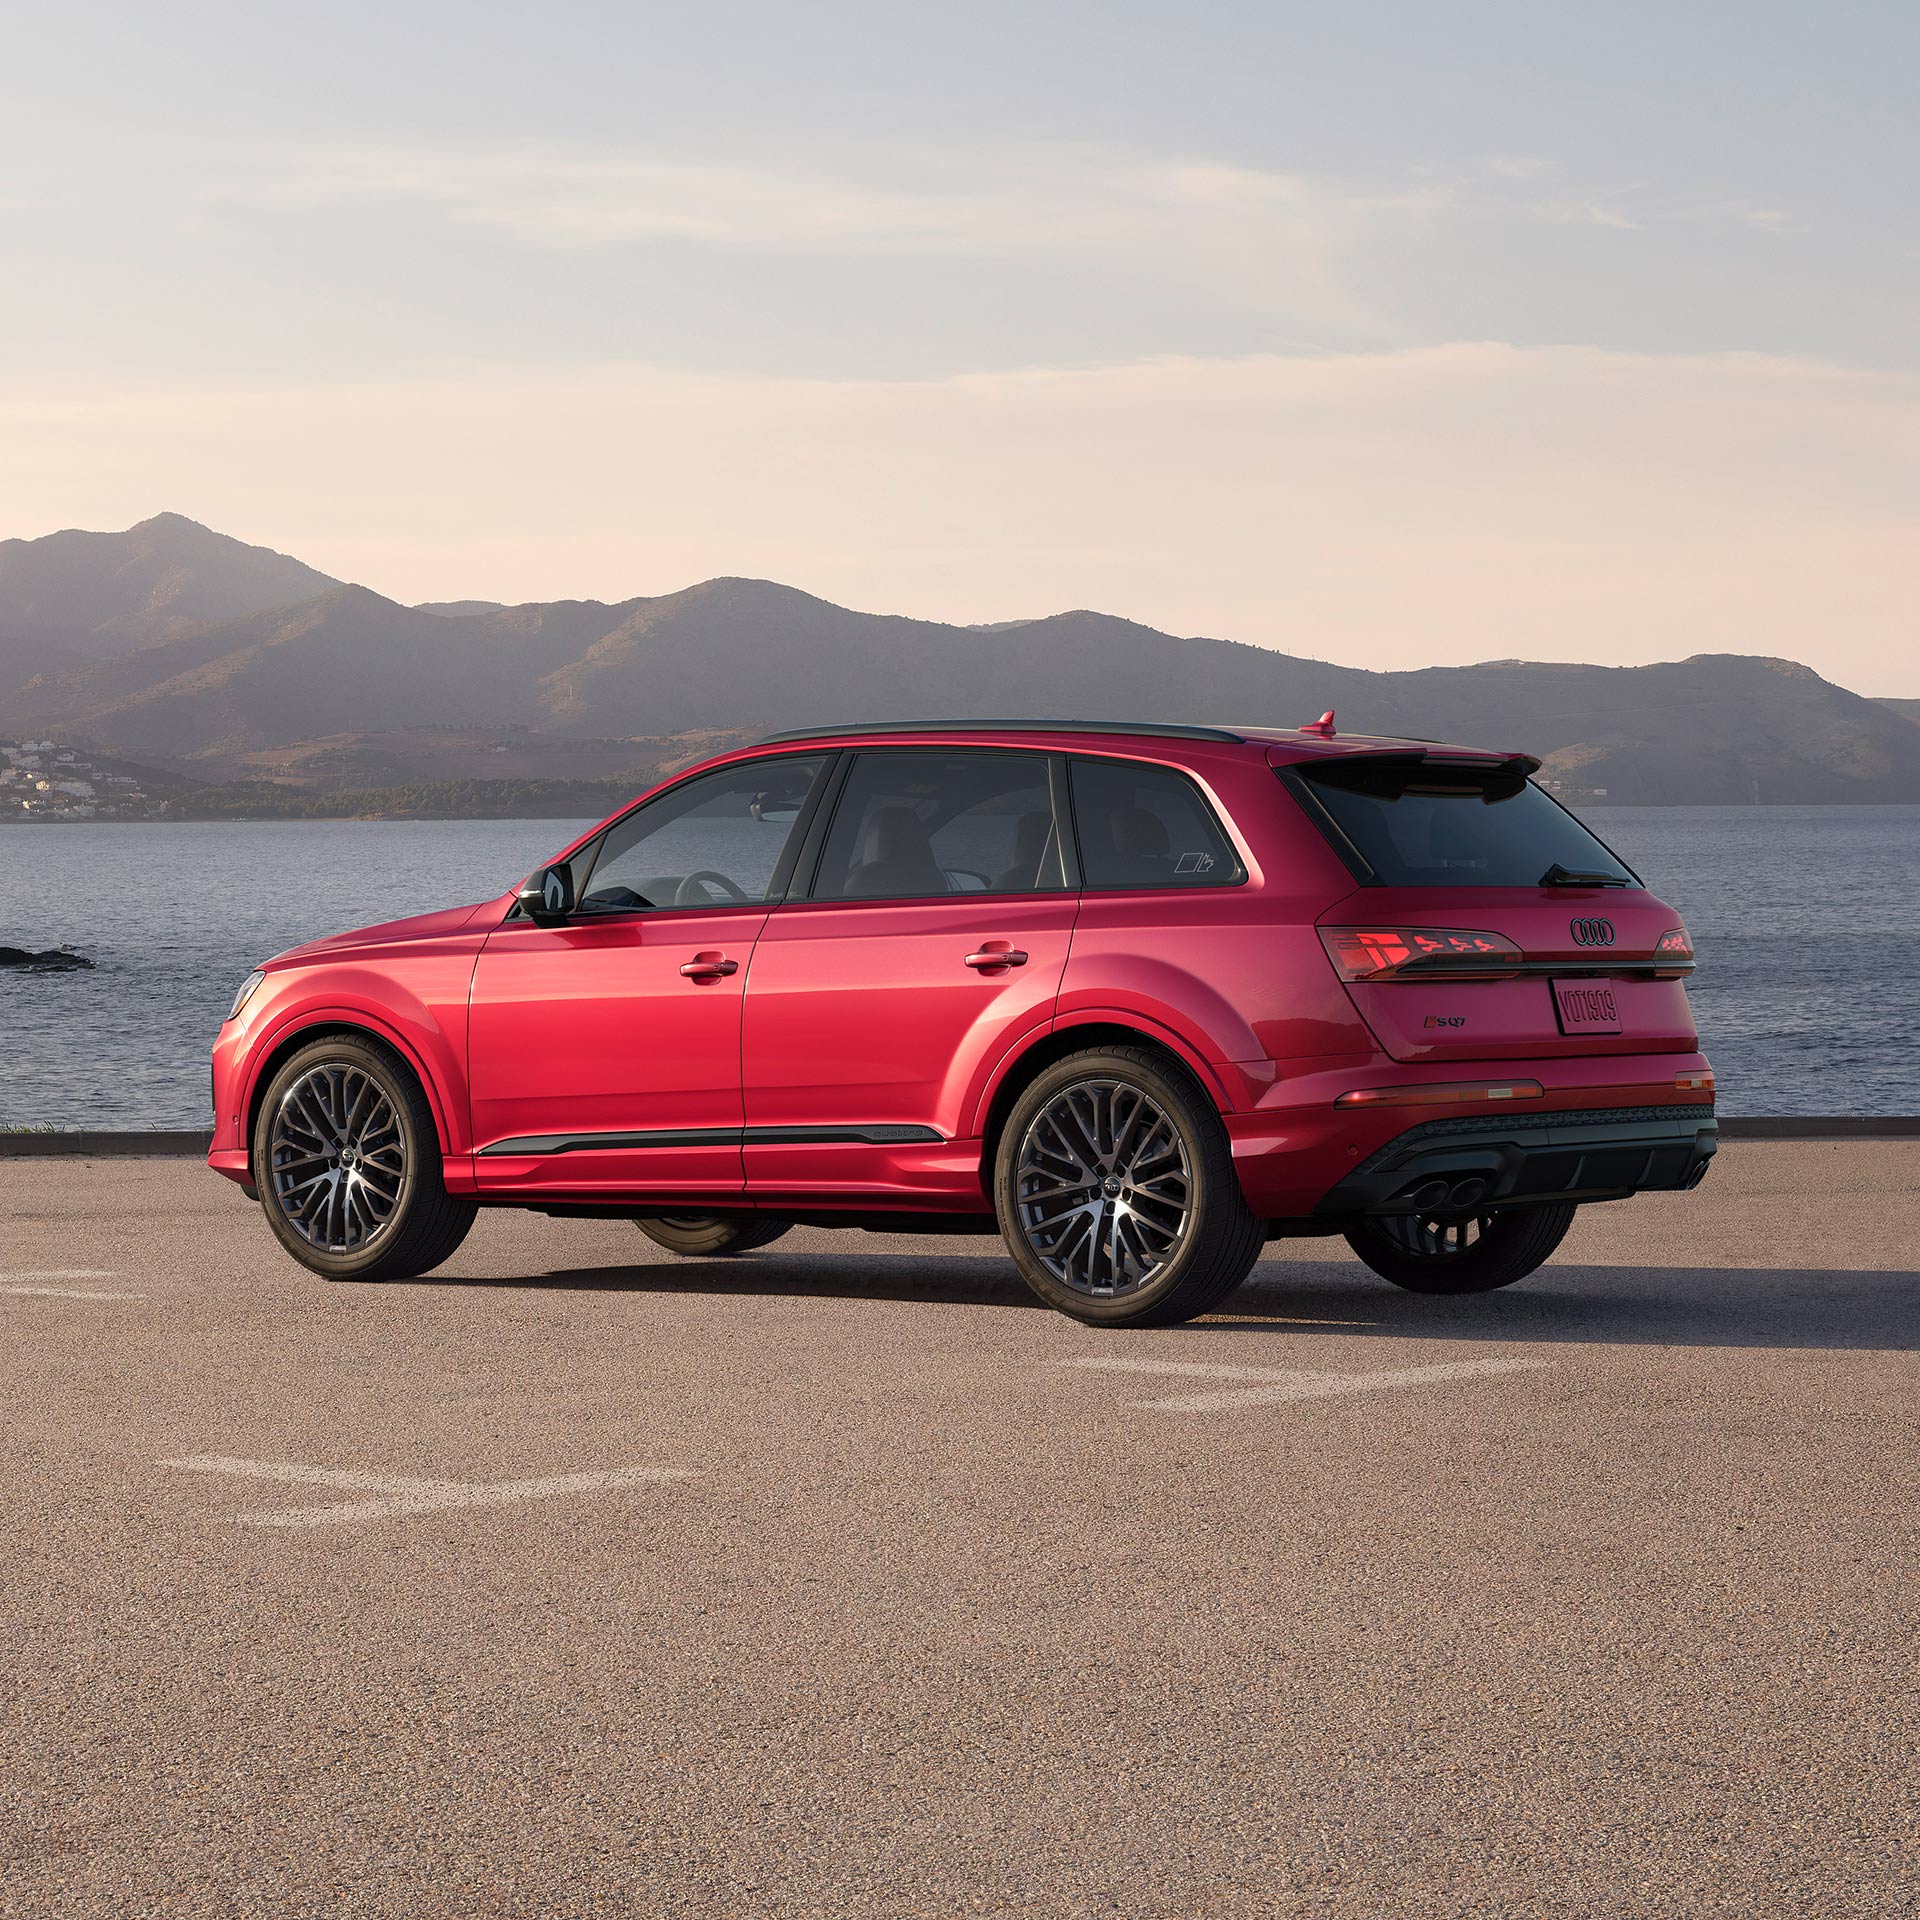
{"x":1489,"y":923}
{"x":934,"y":933}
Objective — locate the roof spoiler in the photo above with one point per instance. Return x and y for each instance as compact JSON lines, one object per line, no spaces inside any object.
{"x":1440,"y":759}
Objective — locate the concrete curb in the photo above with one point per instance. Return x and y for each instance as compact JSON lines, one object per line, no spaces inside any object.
{"x":186,"y":1144}
{"x":181,"y":1143}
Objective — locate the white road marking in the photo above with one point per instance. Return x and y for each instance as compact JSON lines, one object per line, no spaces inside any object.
{"x":71,"y":1293}
{"x":397,"y":1494}
{"x":21,"y":1283}
{"x":1288,"y":1383}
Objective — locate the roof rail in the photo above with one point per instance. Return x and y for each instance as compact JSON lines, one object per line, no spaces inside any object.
{"x":1163,"y":729}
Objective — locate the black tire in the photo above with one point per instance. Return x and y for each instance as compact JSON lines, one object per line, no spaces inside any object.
{"x":425,"y":1224}
{"x":1428,"y":1255}
{"x":709,"y":1235}
{"x":1182,"y":1271}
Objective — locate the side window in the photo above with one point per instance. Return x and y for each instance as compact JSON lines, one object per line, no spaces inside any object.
{"x":1147,"y":827}
{"x":913,"y":824}
{"x":715,"y":841}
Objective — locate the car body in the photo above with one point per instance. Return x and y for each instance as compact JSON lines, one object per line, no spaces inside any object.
{"x":922,"y":919}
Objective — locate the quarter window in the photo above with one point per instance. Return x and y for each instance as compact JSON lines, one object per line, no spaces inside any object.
{"x":913,"y":824}
{"x":1143,"y":826}
{"x":714,"y":841}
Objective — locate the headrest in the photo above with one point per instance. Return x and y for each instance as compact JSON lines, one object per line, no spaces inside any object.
{"x":894,"y":833}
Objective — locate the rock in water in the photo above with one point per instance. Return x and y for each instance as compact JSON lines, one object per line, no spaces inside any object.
{"x":52,"y":960}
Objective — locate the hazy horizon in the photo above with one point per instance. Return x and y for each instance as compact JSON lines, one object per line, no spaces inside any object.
{"x":1391,"y":337}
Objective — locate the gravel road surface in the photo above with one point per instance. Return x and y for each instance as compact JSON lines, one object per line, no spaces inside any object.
{"x":843,"y":1580}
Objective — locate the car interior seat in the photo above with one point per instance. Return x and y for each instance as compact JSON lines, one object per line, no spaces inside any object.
{"x":1032,"y":838}
{"x":1140,"y":843}
{"x":896,"y":858}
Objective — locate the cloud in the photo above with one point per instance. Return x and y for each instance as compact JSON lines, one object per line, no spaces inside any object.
{"x":1468,"y":502}
{"x":1280,"y":241}
{"x":1531,"y":190}
{"x":1313,"y":262}
{"x":567,"y":197}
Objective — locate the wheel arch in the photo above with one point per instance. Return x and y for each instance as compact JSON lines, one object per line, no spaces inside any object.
{"x":1080,"y":1036}
{"x":283,"y":1046}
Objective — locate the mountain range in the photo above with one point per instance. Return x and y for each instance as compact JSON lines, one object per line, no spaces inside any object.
{"x":197,"y":653}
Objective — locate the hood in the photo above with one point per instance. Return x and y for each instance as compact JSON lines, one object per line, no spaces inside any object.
{"x":390,"y":933}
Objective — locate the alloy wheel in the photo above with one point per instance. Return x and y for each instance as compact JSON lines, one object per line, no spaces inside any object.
{"x":1103,"y":1188}
{"x":337,"y":1158}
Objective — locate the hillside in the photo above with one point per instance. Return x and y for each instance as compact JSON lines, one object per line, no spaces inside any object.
{"x":560,"y":686}
{"x":75,"y":597}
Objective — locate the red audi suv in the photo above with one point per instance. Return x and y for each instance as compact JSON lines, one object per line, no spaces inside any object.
{"x":1141,"y":997}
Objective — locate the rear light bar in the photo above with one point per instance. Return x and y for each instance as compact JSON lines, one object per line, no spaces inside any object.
{"x":1443,"y":1094}
{"x":1701,"y":1082}
{"x":1380,"y":953}
{"x":1455,"y":953}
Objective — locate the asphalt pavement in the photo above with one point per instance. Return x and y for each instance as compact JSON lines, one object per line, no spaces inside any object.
{"x":845,"y":1580}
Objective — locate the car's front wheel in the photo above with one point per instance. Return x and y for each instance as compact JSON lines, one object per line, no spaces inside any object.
{"x":1116,"y":1193}
{"x":347,"y":1163}
{"x":710,"y":1235}
{"x":1426,"y":1254}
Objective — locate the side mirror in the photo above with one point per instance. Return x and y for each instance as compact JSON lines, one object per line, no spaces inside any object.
{"x":546,"y":898}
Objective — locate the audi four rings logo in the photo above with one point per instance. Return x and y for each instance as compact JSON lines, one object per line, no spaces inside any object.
{"x":1591,"y":933}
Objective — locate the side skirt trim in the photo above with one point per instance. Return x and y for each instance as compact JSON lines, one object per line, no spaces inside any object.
{"x":883,"y":1135}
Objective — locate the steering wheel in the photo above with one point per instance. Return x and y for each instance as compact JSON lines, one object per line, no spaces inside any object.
{"x":691,"y":891}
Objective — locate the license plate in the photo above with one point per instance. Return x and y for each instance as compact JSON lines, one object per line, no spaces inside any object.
{"x":1586,"y":1006}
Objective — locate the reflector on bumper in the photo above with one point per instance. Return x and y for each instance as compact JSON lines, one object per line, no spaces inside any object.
{"x":1446,"y":1094}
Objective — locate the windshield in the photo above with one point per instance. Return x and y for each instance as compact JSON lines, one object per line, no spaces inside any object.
{"x":1417,"y":825}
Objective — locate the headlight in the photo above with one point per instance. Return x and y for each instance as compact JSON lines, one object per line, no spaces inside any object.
{"x":245,"y":994}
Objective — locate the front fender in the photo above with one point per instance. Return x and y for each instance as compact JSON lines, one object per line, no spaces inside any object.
{"x":423,"y":1019}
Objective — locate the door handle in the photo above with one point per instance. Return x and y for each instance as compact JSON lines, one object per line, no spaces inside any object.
{"x":709,"y":966}
{"x":992,"y":959}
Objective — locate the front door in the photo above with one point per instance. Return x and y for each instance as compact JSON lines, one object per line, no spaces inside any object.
{"x":934,"y":934}
{"x":604,"y":1053}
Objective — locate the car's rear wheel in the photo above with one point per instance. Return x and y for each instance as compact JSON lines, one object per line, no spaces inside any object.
{"x":1115,"y":1189}
{"x":708,"y":1235}
{"x":347,"y":1163}
{"x":1427,"y":1254}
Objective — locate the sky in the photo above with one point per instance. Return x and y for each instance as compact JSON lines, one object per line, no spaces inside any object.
{"x":1392,"y":334}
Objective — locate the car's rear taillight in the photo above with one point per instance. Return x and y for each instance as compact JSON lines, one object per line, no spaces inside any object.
{"x":1382,"y":953}
{"x":1701,"y":1082}
{"x":1675,"y":948}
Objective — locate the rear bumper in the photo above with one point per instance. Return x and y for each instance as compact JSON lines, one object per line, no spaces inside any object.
{"x":1530,"y":1159}
{"x":1293,"y":1148}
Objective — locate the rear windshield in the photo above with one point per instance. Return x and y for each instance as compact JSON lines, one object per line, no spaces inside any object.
{"x":1422,"y":826}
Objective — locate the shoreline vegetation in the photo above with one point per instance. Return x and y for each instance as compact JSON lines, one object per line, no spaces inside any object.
{"x":420,"y":800}
{"x":59,"y":783}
